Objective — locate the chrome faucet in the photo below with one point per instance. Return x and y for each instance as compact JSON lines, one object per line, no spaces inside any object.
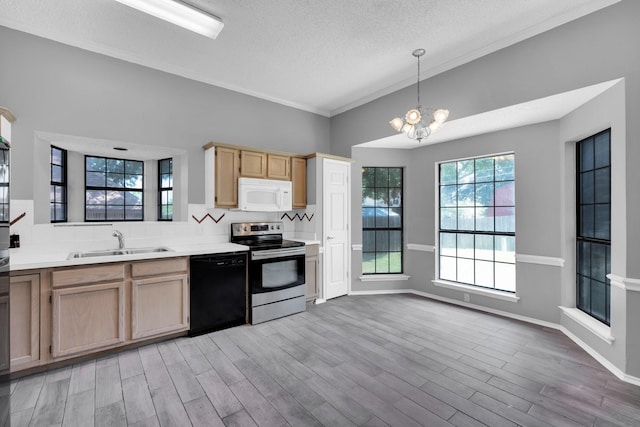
{"x":120,"y":237}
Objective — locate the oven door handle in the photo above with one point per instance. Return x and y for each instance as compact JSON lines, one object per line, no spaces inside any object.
{"x":277,"y":253}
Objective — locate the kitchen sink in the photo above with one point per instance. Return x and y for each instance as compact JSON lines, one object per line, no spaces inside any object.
{"x":116,"y":252}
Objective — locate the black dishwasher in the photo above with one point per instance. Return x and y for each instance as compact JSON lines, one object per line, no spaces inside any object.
{"x":218,"y":292}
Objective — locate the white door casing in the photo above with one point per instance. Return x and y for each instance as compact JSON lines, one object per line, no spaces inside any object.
{"x":336,"y":237}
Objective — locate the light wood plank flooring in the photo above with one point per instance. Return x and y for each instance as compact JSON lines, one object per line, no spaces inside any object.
{"x":393,"y":360}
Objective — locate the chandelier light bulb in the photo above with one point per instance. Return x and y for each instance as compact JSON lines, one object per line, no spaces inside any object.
{"x":441,"y":115}
{"x":397,"y":124}
{"x":413,"y":116}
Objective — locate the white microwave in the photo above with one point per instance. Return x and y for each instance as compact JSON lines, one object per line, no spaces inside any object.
{"x":264,"y":195}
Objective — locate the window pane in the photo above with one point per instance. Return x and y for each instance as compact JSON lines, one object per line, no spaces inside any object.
{"x":382,"y":217}
{"x":395,"y":177}
{"x":395,"y":197}
{"x":368,"y":177}
{"x":505,"y":168}
{"x":505,"y":194}
{"x":56,"y":173}
{"x":395,"y":218}
{"x":395,"y":241}
{"x":368,"y":241}
{"x":133,"y":167}
{"x":56,"y":156}
{"x":448,"y":268}
{"x":368,"y":198}
{"x":382,"y":177}
{"x":382,"y":262}
{"x":133,"y":181}
{"x":368,"y":217}
{"x":484,"y":194}
{"x":95,"y":212}
{"x":133,"y":198}
{"x":602,"y":186}
{"x":95,"y":164}
{"x":586,"y":155}
{"x":484,"y":274}
{"x":505,"y":219}
{"x":115,"y":180}
{"x":587,"y":187}
{"x":505,"y":276}
{"x":368,"y":263}
{"x":95,"y":179}
{"x":448,"y":173}
{"x":115,"y":198}
{"x":587,"y":221}
{"x":601,"y":150}
{"x":133,"y":213}
{"x":602,"y":222}
{"x":466,"y":270}
{"x":584,"y":258}
{"x":465,"y":245}
{"x":505,"y":249}
{"x":382,"y":197}
{"x":484,"y":247}
{"x":115,"y":213}
{"x":466,"y":171}
{"x":598,"y":262}
{"x":466,"y":195}
{"x":448,"y":244}
{"x":448,"y":218}
{"x":448,"y":196}
{"x":115,"y":165}
{"x":484,"y":170}
{"x":165,"y":166}
{"x":584,"y":293}
{"x":599,"y":299}
{"x":95,"y":197}
{"x":466,"y":219}
{"x":395,"y":262}
{"x":484,"y":219}
{"x":382,"y":241}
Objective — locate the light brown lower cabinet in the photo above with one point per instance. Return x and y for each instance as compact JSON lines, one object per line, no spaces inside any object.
{"x":24,"y":321}
{"x":87,"y":309}
{"x":311,"y":270}
{"x":86,"y":318}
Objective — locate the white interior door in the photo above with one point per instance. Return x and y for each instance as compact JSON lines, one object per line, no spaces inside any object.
{"x":336,"y":237}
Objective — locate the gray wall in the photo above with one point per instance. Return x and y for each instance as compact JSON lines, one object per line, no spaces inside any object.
{"x":597,"y":48}
{"x":55,"y":88}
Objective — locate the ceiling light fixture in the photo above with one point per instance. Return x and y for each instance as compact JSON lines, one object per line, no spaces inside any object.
{"x":181,"y":14}
{"x":414,"y":124}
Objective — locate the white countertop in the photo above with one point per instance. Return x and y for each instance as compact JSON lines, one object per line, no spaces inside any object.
{"x":32,"y":258}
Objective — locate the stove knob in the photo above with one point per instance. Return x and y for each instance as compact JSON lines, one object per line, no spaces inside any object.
{"x":278,"y":227}
{"x":246,"y":228}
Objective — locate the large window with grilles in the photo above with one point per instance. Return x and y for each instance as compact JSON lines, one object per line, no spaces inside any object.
{"x":382,"y":220}
{"x":477,"y":222}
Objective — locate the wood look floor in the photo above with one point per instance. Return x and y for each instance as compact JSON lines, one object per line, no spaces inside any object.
{"x":392,"y":360}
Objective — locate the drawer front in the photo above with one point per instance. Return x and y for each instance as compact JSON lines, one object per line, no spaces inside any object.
{"x":94,"y":274}
{"x":161,"y":266}
{"x":311,"y":250}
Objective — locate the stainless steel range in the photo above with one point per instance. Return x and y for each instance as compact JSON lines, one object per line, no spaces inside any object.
{"x":276,"y":270}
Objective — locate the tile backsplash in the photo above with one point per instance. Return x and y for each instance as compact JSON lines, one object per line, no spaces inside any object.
{"x":203,"y":225}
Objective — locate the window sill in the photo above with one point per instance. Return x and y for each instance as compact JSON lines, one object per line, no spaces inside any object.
{"x":383,"y":277}
{"x":505,"y":296}
{"x":594,"y":326}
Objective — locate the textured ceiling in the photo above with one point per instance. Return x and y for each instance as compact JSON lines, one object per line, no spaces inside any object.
{"x":324,"y":56}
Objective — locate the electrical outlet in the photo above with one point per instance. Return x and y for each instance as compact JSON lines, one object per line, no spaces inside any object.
{"x":466,"y":297}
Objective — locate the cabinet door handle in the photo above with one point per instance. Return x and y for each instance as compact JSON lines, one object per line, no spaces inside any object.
{"x":330,"y":237}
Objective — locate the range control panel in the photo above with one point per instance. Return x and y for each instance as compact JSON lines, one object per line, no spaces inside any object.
{"x":256,"y":228}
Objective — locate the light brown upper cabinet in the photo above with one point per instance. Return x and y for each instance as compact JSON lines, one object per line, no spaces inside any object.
{"x":299,"y":182}
{"x":278,"y":167}
{"x":227,"y":166}
{"x":253,"y":164}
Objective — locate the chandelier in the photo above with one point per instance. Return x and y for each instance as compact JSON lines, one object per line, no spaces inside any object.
{"x":415,"y":125}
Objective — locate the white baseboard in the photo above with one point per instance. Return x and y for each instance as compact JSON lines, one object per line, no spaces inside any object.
{"x":597,"y":356}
